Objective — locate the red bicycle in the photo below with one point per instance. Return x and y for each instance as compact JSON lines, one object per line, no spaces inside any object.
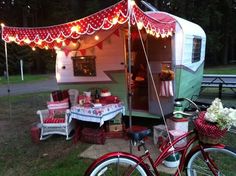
{"x":196,"y":158}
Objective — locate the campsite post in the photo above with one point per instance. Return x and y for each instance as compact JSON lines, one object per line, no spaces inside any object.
{"x":21,"y":70}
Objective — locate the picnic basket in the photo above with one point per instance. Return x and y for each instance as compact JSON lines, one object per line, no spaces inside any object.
{"x":93,"y":136}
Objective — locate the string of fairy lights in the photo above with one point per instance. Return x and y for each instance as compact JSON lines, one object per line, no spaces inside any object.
{"x":68,"y":34}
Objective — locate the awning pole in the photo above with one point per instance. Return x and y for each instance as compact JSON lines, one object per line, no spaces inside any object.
{"x":7,"y":72}
{"x":129,"y":71}
{"x":7,"y":76}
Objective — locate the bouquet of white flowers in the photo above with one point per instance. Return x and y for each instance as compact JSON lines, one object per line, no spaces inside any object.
{"x":214,"y":123}
{"x":223,"y":117}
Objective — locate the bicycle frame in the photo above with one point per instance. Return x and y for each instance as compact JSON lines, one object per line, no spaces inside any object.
{"x":193,"y":145}
{"x":166,"y":152}
{"x":186,"y":152}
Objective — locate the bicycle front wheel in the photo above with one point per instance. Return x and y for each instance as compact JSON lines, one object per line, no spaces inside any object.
{"x":222,"y":160}
{"x":117,"y":166}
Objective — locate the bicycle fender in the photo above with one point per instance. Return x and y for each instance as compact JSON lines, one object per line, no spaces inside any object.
{"x":230,"y":149}
{"x":117,"y":154}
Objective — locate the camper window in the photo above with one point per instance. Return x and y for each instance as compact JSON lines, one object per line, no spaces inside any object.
{"x":84,"y":65}
{"x":196,"y":52}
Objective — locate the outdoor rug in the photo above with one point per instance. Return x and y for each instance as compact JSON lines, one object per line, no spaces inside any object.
{"x":116,"y":144}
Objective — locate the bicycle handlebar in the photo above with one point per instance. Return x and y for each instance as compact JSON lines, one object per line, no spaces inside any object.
{"x":181,"y":112}
{"x":190,"y":101}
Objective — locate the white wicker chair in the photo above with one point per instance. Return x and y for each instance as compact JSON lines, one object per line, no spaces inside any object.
{"x":55,"y":125}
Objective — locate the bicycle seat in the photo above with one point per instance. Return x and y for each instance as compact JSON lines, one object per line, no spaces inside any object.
{"x":139,"y":135}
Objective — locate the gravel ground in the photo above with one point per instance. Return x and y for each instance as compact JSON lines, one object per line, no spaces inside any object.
{"x":40,"y":86}
{"x":206,"y":96}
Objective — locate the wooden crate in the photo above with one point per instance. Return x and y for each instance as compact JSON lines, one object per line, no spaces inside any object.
{"x":115,"y":127}
{"x":117,"y":119}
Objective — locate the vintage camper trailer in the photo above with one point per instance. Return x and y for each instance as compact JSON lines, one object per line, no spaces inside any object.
{"x":124,"y":50}
{"x":184,"y":53}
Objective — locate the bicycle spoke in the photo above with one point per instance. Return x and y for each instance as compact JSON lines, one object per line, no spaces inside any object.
{"x":201,"y":170}
{"x":118,"y":169}
{"x":200,"y":166}
{"x":222,"y":161}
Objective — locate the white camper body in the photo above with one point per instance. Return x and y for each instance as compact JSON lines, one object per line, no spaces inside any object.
{"x":111,"y":63}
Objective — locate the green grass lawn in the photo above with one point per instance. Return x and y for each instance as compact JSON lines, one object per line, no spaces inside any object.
{"x":15,"y":79}
{"x":225,"y":70}
{"x":19,"y":156}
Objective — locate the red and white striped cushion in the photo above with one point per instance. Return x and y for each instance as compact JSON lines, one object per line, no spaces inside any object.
{"x":57,"y":108}
{"x":54,"y":120}
{"x":58,"y":105}
{"x":54,"y":105}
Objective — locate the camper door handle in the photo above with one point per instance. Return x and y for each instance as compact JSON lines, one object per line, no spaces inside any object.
{"x":122,"y":63}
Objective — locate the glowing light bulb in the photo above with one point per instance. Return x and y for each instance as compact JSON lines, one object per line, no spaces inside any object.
{"x":58,"y":40}
{"x":157,"y":35}
{"x":96,"y":37}
{"x":11,"y":39}
{"x":152,"y":32}
{"x":56,"y":48}
{"x":33,"y":49}
{"x":39,"y":42}
{"x":75,"y":28}
{"x":75,"y":44}
{"x":114,"y":20}
{"x":169,"y":33}
{"x":132,"y":2}
{"x":163,"y":35}
{"x":2,"y":24}
{"x":27,"y":41}
{"x":140,"y":25}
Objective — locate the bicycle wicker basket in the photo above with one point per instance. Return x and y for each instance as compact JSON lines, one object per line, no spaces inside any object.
{"x":208,"y":132}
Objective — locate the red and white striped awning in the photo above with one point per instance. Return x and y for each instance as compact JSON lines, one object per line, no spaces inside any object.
{"x":64,"y":34}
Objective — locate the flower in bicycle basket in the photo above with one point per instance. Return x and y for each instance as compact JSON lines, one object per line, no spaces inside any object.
{"x":223,"y":117}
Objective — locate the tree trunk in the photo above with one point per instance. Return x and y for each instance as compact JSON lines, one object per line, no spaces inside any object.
{"x":233,"y":45}
{"x":226,"y":49}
